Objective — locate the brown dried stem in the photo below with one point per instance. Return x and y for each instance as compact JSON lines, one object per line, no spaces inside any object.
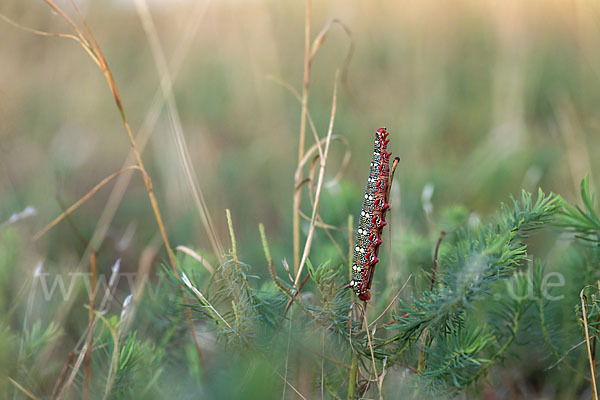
{"x":96,"y":54}
{"x":322,"y":164}
{"x":87,"y":369}
{"x":587,"y":342}
{"x":82,"y":200}
{"x":305,"y":91}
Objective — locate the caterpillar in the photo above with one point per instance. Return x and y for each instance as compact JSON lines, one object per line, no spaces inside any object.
{"x":372,"y":218}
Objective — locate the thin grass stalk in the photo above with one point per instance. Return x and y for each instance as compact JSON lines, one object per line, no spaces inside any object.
{"x":87,"y":369}
{"x":305,"y":93}
{"x":352,"y":375}
{"x":62,"y":376}
{"x":97,"y":55}
{"x":322,"y":165}
{"x":175,"y":120}
{"x":232,"y":235}
{"x":587,"y":342}
{"x":272,"y":271}
{"x":22,"y":389}
{"x":372,"y":353}
{"x":82,"y":200}
{"x":114,"y":366}
{"x":108,"y":294}
{"x":236,"y":260}
{"x":147,"y":127}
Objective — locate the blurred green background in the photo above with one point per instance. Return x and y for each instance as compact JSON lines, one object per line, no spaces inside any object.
{"x":481,"y":98}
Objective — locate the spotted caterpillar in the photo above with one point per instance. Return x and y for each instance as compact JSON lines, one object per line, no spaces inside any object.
{"x":372,"y":218}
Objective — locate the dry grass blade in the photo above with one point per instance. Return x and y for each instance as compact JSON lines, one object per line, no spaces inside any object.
{"x":108,"y":294}
{"x":73,"y":374}
{"x":297,"y":200}
{"x":587,"y":342}
{"x":371,"y":350}
{"x":309,"y":156}
{"x":318,"y":42}
{"x":96,"y":53}
{"x":81,"y":42}
{"x":320,"y":39}
{"x":87,"y":370}
{"x":62,"y":376}
{"x":321,"y":177}
{"x":197,"y":257}
{"x":82,"y":200}
{"x":320,"y":224}
{"x":177,"y":130}
{"x":22,"y":389}
{"x":194,"y":21}
{"x":317,"y":146}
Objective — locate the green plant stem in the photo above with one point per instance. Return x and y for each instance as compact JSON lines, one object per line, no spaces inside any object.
{"x":352,"y":377}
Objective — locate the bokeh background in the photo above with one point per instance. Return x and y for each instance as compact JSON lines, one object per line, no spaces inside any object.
{"x":482,"y":99}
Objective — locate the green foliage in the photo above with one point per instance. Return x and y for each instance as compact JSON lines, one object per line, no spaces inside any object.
{"x":37,"y":337}
{"x":583,"y":222}
{"x":456,"y":356}
{"x":469,"y":115}
{"x":139,"y":369}
{"x":486,"y":303}
{"x":479,"y":257}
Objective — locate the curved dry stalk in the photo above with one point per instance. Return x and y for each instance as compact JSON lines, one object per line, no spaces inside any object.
{"x":96,"y":53}
{"x":299,"y":98}
{"x":309,"y":156}
{"x":176,"y":125}
{"x":318,"y":142}
{"x":81,"y":42}
{"x":87,"y":369}
{"x":147,"y":126}
{"x":83,"y":199}
{"x":587,"y":342}
{"x":309,"y":54}
{"x":197,"y":257}
{"x":372,"y":353}
{"x":22,"y":389}
{"x":323,"y":163}
{"x":321,"y":224}
{"x":297,"y":199}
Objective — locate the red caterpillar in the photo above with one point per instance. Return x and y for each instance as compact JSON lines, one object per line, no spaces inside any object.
{"x":372,"y":218}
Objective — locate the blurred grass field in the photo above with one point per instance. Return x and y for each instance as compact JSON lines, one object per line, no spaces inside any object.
{"x":481,"y":99}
